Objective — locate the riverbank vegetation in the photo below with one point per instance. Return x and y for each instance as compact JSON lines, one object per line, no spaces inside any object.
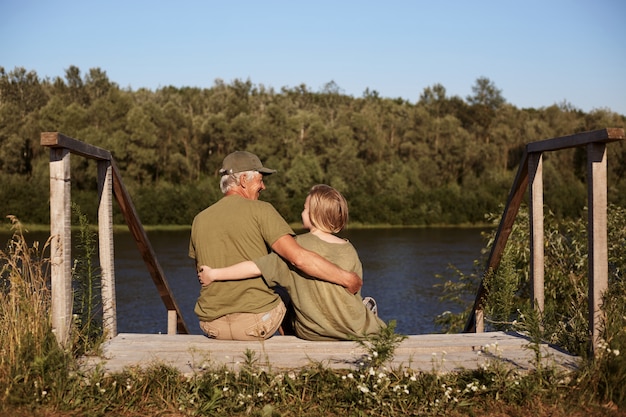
{"x":438,"y":160}
{"x":39,"y":378}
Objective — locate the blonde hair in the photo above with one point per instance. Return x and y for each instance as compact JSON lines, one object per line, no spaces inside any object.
{"x":328,"y":209}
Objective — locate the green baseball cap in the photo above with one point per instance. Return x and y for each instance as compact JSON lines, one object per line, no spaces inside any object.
{"x":241,"y":161}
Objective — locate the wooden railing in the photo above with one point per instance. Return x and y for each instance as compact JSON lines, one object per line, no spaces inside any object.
{"x":109,"y":183}
{"x":530,"y":174}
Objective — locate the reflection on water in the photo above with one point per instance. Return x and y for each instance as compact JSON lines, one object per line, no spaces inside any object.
{"x":399,"y":272}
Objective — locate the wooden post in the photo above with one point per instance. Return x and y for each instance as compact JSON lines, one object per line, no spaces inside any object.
{"x":61,"y":244}
{"x":107,"y":258}
{"x":597,"y":237}
{"x":537,"y":271}
{"x":480,"y":321}
{"x":172,"y":320}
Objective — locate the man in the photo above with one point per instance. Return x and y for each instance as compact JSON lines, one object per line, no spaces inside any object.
{"x":237,"y":228}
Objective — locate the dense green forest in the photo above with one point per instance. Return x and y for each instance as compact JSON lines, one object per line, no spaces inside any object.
{"x":440,"y":160}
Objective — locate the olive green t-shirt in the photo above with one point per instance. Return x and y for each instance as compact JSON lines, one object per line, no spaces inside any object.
{"x":323,"y":310}
{"x":233,"y":230}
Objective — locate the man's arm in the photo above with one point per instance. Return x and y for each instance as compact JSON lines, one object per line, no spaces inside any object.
{"x":315,"y":265}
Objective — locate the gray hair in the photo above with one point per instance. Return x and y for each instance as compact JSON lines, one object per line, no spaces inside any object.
{"x":229,"y":181}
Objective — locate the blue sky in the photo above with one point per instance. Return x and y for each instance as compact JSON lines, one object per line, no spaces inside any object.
{"x":538,"y":52}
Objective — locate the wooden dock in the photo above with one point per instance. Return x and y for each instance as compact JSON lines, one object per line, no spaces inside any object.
{"x":432,"y":352}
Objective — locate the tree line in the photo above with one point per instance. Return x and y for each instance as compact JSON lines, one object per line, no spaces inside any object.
{"x":439,"y":160}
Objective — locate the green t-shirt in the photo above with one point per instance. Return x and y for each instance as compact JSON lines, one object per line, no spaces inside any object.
{"x":324,"y":311}
{"x":233,"y":230}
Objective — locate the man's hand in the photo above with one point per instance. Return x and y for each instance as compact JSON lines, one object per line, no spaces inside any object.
{"x":354,"y":284}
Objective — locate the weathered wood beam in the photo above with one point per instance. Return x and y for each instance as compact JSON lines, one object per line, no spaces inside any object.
{"x":537,"y":270}
{"x":575,"y":140}
{"x":61,"y":244}
{"x":106,"y":246}
{"x":59,"y":140}
{"x":597,"y":237}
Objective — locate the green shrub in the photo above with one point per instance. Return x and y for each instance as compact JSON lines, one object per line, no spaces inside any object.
{"x":564,"y":321}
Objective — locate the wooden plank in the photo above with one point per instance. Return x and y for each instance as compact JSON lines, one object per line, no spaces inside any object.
{"x":443,"y":353}
{"x":145,"y":247}
{"x":575,"y":140}
{"x":61,"y":244}
{"x":59,"y":140}
{"x":597,"y":236}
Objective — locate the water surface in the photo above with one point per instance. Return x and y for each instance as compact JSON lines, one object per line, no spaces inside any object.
{"x":400,"y":268}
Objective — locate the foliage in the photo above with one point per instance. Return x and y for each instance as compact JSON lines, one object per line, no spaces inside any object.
{"x":381,"y":346}
{"x":564,"y":320}
{"x":440,"y":160}
{"x":607,"y":374}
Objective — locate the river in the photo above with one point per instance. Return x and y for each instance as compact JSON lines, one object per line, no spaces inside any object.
{"x":400,"y":268}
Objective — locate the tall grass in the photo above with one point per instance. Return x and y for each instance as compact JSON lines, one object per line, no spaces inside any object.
{"x":28,"y":348}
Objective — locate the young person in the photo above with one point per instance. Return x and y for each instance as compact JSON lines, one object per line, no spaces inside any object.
{"x":323,"y":310}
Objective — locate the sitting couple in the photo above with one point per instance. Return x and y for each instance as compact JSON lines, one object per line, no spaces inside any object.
{"x":320,"y":271}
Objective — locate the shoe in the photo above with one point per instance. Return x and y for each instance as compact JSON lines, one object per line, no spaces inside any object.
{"x":370,"y":303}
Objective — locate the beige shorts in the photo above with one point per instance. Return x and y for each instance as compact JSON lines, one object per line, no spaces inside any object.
{"x":245,"y":326}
